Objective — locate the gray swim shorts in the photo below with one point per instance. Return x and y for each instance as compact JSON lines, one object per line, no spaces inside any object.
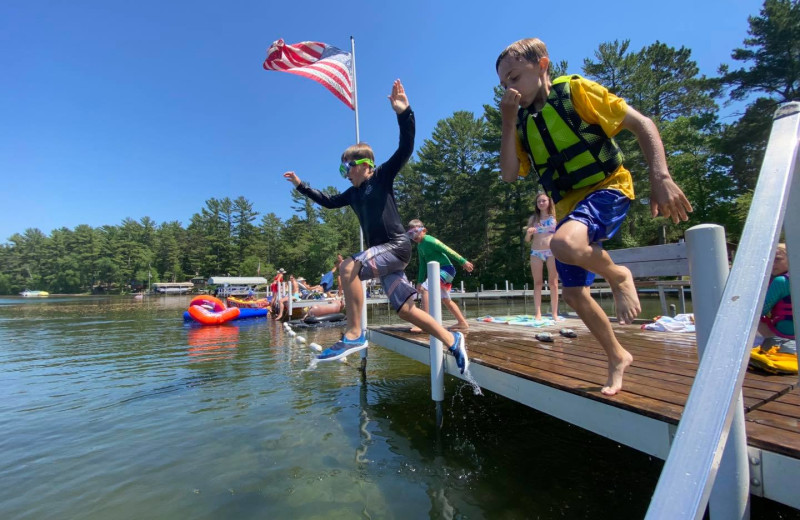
{"x":381,"y":262}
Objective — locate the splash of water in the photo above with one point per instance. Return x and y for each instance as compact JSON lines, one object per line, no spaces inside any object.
{"x":476,"y":390}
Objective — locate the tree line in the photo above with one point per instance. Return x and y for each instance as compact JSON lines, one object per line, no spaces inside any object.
{"x":453,"y":185}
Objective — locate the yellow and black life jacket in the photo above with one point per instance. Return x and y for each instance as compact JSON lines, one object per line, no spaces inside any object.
{"x":567,"y":152}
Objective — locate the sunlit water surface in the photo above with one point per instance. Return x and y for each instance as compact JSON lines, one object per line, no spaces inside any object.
{"x":115,"y":409}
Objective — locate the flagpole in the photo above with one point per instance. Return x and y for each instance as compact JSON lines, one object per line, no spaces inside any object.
{"x":355,"y":84}
{"x":360,"y":231}
{"x":355,"y":109}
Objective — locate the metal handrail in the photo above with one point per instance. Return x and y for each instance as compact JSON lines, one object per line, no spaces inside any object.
{"x":689,"y":473}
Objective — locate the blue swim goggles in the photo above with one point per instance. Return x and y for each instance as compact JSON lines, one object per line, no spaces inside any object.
{"x":344,"y":169}
{"x":415,"y":232}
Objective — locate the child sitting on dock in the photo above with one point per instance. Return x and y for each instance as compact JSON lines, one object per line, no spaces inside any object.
{"x":431,"y":249}
{"x":564,"y":130}
{"x":777,"y":317}
{"x":388,"y":251}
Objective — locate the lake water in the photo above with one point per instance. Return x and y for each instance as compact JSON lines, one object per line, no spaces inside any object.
{"x":115,"y":409}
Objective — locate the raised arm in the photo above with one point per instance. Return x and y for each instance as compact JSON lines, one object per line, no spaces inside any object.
{"x":398,"y":97}
{"x":326,"y":201}
{"x":509,"y":162}
{"x":407,"y":124}
{"x":666,"y":198}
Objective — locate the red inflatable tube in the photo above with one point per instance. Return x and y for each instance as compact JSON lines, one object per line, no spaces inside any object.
{"x":209,"y":317}
{"x":215,"y":304}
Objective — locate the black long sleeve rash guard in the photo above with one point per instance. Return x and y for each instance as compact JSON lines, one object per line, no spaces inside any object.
{"x":373,"y":201}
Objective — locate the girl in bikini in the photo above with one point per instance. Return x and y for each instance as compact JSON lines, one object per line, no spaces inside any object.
{"x":541,"y":227}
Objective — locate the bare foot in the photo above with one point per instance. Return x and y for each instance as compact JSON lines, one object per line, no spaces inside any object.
{"x":615,"y":371}
{"x":625,"y":298}
{"x":538,"y":317}
{"x":459,"y":326}
{"x":415,"y":330}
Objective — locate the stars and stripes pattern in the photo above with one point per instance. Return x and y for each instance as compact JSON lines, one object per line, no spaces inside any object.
{"x":323,"y":63}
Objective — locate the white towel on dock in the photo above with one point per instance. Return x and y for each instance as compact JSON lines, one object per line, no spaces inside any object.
{"x":680,"y":323}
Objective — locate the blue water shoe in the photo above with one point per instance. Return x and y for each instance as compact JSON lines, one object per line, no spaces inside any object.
{"x":459,"y":351}
{"x":343,"y":347}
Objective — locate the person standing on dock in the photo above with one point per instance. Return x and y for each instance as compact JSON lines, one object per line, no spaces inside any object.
{"x":431,"y":249}
{"x":564,"y":130}
{"x":541,"y":227}
{"x":388,"y":247}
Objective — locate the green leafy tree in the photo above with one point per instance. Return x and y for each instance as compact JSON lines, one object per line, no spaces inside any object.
{"x":612,"y":67}
{"x":771,"y":75}
{"x":244,"y":232}
{"x":270,"y":248}
{"x":168,"y":256}
{"x":450,"y":189}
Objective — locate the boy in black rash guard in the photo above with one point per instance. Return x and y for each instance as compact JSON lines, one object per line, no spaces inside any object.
{"x":388,"y":247}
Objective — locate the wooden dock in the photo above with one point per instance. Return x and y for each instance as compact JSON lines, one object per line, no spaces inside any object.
{"x":564,"y":378}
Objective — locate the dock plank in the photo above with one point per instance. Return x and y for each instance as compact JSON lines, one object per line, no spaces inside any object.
{"x":776,"y":425}
{"x":657,"y":384}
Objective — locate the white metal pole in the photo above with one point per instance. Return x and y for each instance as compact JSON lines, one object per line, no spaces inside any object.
{"x":685,"y":484}
{"x":792,"y":233}
{"x":291,"y":298}
{"x":730,"y":496}
{"x":360,"y":231}
{"x":437,"y":357}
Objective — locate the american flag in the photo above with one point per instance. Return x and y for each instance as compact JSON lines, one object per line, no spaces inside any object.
{"x":323,"y":63}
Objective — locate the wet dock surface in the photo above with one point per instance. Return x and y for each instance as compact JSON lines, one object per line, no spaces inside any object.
{"x":656,"y":385}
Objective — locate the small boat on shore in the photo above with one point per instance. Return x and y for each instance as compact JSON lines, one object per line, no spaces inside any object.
{"x":33,"y":294}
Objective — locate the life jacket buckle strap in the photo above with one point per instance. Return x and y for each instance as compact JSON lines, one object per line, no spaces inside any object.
{"x":558,"y":160}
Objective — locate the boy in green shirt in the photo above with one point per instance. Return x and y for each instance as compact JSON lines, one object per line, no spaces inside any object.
{"x":430,"y":249}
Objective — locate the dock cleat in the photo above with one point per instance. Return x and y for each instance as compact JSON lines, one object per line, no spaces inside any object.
{"x":343,"y":347}
{"x":459,"y":351}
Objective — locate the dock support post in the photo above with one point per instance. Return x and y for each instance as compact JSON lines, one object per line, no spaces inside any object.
{"x":437,"y":356}
{"x":682,"y":299}
{"x":662,"y":297}
{"x":291,"y":299}
{"x":363,"y":366}
{"x":708,"y":263}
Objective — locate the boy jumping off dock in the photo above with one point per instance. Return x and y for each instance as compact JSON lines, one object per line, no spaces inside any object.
{"x":388,"y":247}
{"x":564,"y":130}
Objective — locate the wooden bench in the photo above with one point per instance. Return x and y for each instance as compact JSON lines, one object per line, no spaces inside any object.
{"x":662,"y":260}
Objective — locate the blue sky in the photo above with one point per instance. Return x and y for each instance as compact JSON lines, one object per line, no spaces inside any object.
{"x":112,"y":109}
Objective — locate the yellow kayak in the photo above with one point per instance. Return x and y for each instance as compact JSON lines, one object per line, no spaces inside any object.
{"x":773,"y":361}
{"x":262,"y":303}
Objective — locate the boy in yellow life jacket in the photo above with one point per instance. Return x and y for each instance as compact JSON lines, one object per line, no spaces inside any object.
{"x":564,"y":130}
